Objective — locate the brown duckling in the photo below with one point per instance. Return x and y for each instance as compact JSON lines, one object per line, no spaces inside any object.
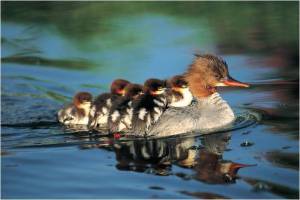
{"x":148,"y":107}
{"x":102,"y":104}
{"x":178,"y":94}
{"x":78,"y":111}
{"x":121,"y":112}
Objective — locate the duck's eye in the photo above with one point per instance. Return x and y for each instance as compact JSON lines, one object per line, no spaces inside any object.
{"x":222,"y":79}
{"x":184,"y":86}
{"x":217,"y":76}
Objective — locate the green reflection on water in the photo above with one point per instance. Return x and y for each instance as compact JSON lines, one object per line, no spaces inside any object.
{"x":117,"y":34}
{"x":35,"y":60}
{"x":82,"y":20}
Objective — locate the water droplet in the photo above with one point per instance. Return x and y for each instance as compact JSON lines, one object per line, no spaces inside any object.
{"x":156,"y":188}
{"x":246,"y":132}
{"x":246,"y":144}
{"x":260,"y":186}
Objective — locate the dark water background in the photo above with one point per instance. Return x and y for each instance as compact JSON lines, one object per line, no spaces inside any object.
{"x":50,"y":50}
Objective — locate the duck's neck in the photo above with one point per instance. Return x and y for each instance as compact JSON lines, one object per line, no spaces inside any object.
{"x":201,"y":90}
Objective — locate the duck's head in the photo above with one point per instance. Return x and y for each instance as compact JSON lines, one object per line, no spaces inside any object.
{"x":118,"y":86}
{"x":208,"y":72}
{"x":133,"y":90}
{"x":228,"y":170}
{"x":178,"y":83}
{"x":211,"y":168}
{"x":83,"y":100}
{"x":155,"y":87}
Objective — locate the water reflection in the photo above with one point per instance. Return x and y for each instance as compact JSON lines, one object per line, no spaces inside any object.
{"x":280,"y":113}
{"x":284,"y":159}
{"x":157,"y":156}
{"x":211,"y":167}
{"x":40,"y":61}
{"x":100,"y":32}
{"x":281,"y":190}
{"x":204,"y":195}
{"x":202,"y":156}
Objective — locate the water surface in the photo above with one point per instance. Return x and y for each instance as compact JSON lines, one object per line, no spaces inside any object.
{"x":51,"y":50}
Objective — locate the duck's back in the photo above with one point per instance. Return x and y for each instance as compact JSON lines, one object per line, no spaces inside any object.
{"x":202,"y":115}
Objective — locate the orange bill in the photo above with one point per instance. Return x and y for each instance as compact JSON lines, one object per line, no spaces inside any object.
{"x":233,"y":83}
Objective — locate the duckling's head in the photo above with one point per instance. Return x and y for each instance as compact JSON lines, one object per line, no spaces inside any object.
{"x":133,"y":90}
{"x":118,"y":85}
{"x":155,"y":86}
{"x":208,"y":72}
{"x":83,"y":100}
{"x":178,"y":83}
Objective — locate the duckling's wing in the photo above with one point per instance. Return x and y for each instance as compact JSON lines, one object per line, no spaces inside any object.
{"x":102,"y":100}
{"x":140,"y":125}
{"x":100,"y":110}
{"x":141,"y":119}
{"x":67,"y":114}
{"x":117,"y":115}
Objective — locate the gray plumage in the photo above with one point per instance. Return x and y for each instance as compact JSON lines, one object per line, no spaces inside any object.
{"x":203,"y":115}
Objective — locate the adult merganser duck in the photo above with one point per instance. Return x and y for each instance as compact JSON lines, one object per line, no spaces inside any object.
{"x":102,"y":104}
{"x":179,"y":94}
{"x":148,"y":107}
{"x":78,"y":111}
{"x":121,"y":112}
{"x":209,"y":111}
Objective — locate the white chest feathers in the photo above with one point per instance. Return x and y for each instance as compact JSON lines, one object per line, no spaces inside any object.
{"x":185,"y":101}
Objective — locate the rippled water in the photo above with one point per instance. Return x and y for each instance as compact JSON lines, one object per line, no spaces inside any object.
{"x":51,"y":50}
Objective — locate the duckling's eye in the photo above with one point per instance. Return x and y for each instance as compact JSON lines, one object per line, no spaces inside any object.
{"x":87,"y":99}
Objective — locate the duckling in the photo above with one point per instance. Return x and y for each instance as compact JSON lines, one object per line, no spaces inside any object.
{"x":121,"y":111}
{"x":148,"y":107}
{"x":178,"y":94}
{"x":102,"y":104}
{"x":78,"y":111}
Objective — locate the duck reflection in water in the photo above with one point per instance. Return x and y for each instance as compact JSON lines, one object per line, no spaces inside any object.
{"x":157,"y":156}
